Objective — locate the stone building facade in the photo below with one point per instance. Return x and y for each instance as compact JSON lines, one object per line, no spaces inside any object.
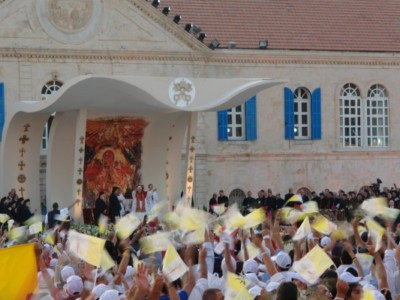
{"x":343,"y":133}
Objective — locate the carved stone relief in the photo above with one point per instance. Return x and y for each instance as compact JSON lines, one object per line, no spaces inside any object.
{"x":70,"y":21}
{"x":70,"y":15}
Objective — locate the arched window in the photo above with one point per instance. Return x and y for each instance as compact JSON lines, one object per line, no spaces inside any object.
{"x":350,"y":116}
{"x":302,"y":114}
{"x":364,"y":122}
{"x":377,"y":117}
{"x":237,"y":196}
{"x":48,"y":89}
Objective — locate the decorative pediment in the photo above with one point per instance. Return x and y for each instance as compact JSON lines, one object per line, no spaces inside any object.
{"x":92,"y":25}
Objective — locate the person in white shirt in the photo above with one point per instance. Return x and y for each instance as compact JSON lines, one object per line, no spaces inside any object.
{"x":151,"y":197}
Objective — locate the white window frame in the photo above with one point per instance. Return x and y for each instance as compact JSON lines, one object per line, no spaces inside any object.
{"x":234,"y":114}
{"x":377,"y":121}
{"x":302,"y":96}
{"x":50,"y":88}
{"x":350,"y":112}
{"x":363,"y":125}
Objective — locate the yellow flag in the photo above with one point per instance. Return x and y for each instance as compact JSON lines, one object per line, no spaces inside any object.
{"x":252,"y":251}
{"x":313,"y":264}
{"x":35,"y":228}
{"x":4,"y":218}
{"x":194,"y":237}
{"x":103,"y":220}
{"x":233,"y":218}
{"x":10,"y":224}
{"x":173,"y":265}
{"x":172,"y":220}
{"x":374,"y":206}
{"x":126,"y":225}
{"x":17,"y":232}
{"x":236,"y":288}
{"x":310,"y":208}
{"x":391,"y":213}
{"x":376,"y":232}
{"x":158,"y":210}
{"x":295,"y":198}
{"x":291,"y":215}
{"x":218,"y":209}
{"x":303,"y":230}
{"x":18,"y":275}
{"x":192,"y":219}
{"x":368,"y":295}
{"x":49,"y":237}
{"x":154,"y":243}
{"x":323,"y":225}
{"x":86,"y":247}
{"x":33,"y":220}
{"x":254,"y":218}
{"x":106,"y":262}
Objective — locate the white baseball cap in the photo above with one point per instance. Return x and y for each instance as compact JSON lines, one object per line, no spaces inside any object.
{"x":74,"y":285}
{"x":282,"y":259}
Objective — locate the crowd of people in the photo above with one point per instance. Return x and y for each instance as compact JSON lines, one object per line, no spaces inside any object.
{"x":260,"y":254}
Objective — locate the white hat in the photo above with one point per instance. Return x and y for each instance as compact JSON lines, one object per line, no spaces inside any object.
{"x":74,"y":285}
{"x":297,"y":276}
{"x":326,"y":240}
{"x":349,"y":278}
{"x":110,"y":295}
{"x":282,"y":259}
{"x":378,"y":295}
{"x":100,"y":289}
{"x":272,"y":286}
{"x":66,"y":272}
{"x":130,"y":271}
{"x":250,"y":266}
{"x":53,"y":263}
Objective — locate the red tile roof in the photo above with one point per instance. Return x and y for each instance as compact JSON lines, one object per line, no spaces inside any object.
{"x":337,"y":25}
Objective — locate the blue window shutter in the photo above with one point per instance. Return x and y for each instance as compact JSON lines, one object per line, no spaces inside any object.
{"x":316,"y":132}
{"x":289,"y":114}
{"x":223,"y":125}
{"x":250,"y":108}
{"x":2,"y":109}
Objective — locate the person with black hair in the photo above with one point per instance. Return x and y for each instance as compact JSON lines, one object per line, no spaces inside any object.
{"x":51,"y":221}
{"x":114,"y":205}
{"x":287,"y":291}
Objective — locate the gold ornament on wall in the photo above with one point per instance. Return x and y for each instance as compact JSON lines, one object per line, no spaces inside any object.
{"x":21,"y":178}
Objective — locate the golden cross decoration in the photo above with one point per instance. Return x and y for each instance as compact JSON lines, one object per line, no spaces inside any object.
{"x":23,"y":139}
{"x":193,"y":138}
{"x":80,"y":171}
{"x":189,"y":188}
{"x":190,"y":169}
{"x":22,"y":190}
{"x":82,"y":138}
{"x":80,"y":160}
{"x":26,"y":127}
{"x":21,"y":165}
{"x":192,"y":149}
{"x":81,"y":149}
{"x":191,"y":159}
{"x":22,"y":151}
{"x":79,"y":191}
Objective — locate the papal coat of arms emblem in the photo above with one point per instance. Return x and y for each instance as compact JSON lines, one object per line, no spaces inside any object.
{"x":182,"y":92}
{"x":70,"y":15}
